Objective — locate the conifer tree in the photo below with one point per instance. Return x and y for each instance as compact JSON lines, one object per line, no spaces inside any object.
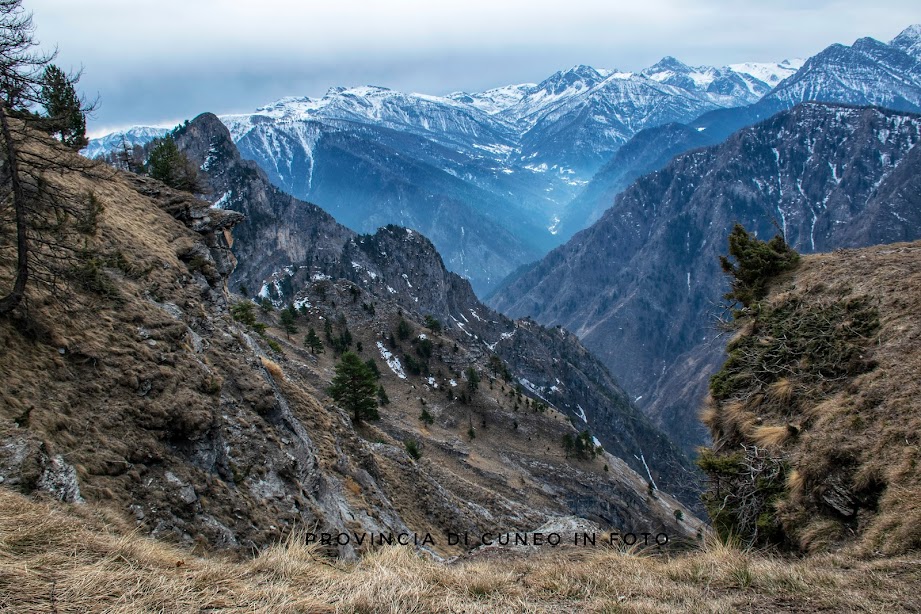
{"x":354,"y":388}
{"x":755,"y":263}
{"x":287,"y":322}
{"x":312,"y":342}
{"x":44,"y":224}
{"x":64,"y":109}
{"x":169,"y":165}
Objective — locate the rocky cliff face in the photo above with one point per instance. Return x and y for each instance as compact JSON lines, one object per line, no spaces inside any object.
{"x":643,"y":285}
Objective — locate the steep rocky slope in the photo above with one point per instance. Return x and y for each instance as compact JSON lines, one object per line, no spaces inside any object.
{"x":401,"y":267}
{"x":132,"y":384}
{"x":642,"y":286}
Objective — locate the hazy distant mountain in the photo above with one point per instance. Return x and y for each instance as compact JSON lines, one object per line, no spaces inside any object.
{"x":769,"y":72}
{"x":498,"y":178}
{"x":868,"y":72}
{"x":638,"y":286}
{"x":722,"y":86}
{"x":484,"y":175}
{"x":139,"y":135}
{"x":909,"y":41}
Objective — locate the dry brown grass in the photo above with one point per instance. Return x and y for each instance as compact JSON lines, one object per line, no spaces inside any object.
{"x":771,"y":436}
{"x":272,"y":367}
{"x":782,"y":390}
{"x":852,"y":435}
{"x":77,"y":559}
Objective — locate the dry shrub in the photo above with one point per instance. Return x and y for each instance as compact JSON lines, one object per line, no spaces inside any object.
{"x":272,"y":367}
{"x":781,"y":391}
{"x":772,"y":436}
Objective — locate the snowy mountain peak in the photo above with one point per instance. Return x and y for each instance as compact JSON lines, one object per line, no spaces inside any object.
{"x":771,"y":73}
{"x":909,"y":40}
{"x":722,"y":86}
{"x":667,"y":63}
{"x":494,"y":100}
{"x":867,"y":43}
{"x":138,"y":135}
{"x":578,"y":78}
{"x":670,"y":70}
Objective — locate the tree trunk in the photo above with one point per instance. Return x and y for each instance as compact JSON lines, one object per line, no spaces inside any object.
{"x":12,"y":300}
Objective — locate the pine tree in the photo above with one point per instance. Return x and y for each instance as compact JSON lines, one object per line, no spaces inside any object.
{"x":473,"y":379}
{"x":29,"y":209}
{"x":354,"y":388}
{"x":403,"y":330}
{"x":312,"y":342}
{"x":756,"y":262}
{"x":266,"y":305}
{"x":433,"y":324}
{"x":243,"y":312}
{"x":287,"y":322}
{"x":64,"y":109}
{"x":169,"y":165}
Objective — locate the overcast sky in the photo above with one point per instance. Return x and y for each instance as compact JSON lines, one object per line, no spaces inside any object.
{"x":158,"y":62}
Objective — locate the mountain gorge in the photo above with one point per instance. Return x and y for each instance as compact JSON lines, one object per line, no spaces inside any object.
{"x":402,"y":268}
{"x":495,"y":179}
{"x":498,"y":164}
{"x":643,"y":285}
{"x":140,"y":383}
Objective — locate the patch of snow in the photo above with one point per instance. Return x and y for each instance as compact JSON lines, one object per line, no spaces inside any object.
{"x":581,"y":413}
{"x":223,"y":200}
{"x":392,"y":361}
{"x":495,"y":148}
{"x":771,"y":73}
{"x":648,"y":472}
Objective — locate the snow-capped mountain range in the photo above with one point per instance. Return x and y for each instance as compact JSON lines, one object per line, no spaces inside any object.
{"x":137,"y":135}
{"x":489,"y":176}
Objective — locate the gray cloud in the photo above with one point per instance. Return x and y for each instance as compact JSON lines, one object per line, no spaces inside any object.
{"x":158,"y":61}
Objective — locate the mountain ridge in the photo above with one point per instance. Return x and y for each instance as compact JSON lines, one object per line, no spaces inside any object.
{"x":629,"y":284}
{"x":403,"y":266}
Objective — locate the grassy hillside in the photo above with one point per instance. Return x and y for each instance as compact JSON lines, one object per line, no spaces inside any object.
{"x":56,"y":558}
{"x":816,"y":414}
